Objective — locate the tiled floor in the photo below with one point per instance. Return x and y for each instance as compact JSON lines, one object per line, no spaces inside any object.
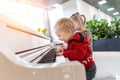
{"x":110,"y":61}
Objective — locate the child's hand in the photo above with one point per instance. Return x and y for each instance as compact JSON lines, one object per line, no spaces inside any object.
{"x":59,"y":54}
{"x":60,"y":49}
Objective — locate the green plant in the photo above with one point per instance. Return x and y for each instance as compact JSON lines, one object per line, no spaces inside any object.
{"x":43,"y":31}
{"x":115,"y":24}
{"x":101,"y":30}
{"x":38,"y":29}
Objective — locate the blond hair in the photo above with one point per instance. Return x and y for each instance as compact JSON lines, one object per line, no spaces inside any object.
{"x":65,"y":24}
{"x":81,"y":18}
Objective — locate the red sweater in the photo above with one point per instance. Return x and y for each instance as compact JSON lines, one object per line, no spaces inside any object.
{"x":79,"y":51}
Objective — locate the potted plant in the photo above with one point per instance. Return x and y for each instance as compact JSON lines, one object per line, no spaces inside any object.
{"x":106,"y":37}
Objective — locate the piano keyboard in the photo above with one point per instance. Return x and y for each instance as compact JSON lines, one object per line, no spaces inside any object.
{"x":50,"y":57}
{"x":44,"y":54}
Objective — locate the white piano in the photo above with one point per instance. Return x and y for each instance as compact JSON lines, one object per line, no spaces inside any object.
{"x":20,"y":50}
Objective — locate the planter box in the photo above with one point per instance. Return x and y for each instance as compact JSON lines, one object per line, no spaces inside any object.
{"x":112,"y":44}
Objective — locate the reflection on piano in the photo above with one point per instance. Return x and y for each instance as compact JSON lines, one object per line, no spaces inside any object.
{"x":28,"y":55}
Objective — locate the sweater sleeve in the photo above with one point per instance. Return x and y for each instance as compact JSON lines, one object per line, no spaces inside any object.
{"x":77,"y":51}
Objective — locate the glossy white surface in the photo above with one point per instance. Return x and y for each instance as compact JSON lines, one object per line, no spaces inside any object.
{"x":18,"y":70}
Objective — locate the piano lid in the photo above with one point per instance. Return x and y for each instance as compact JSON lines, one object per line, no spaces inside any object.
{"x":18,"y":37}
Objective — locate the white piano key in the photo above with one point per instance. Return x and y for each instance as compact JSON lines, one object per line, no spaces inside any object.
{"x":24,"y":54}
{"x":31,"y":57}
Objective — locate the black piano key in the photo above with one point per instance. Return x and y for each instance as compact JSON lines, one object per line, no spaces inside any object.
{"x":50,"y":57}
{"x":40,"y":55}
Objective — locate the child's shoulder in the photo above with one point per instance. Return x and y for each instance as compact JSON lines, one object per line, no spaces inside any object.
{"x":78,"y":37}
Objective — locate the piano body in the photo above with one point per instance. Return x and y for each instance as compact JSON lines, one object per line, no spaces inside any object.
{"x":20,"y":50}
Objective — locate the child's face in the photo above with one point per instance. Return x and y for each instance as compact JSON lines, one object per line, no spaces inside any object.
{"x":64,"y":35}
